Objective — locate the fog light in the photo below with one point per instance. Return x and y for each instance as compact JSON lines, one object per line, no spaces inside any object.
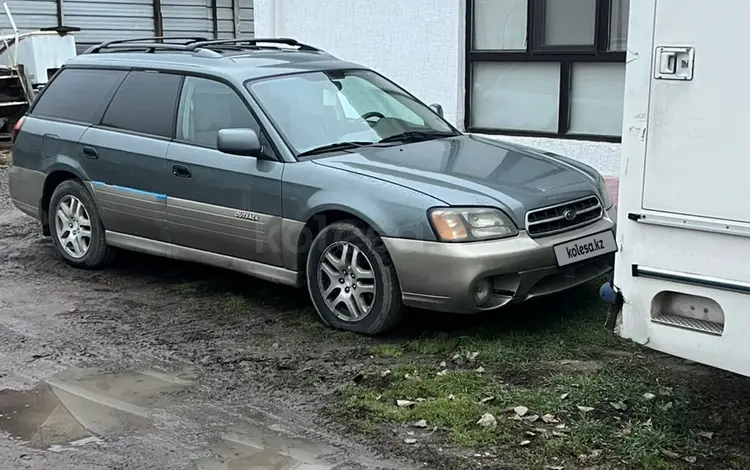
{"x":483,"y":291}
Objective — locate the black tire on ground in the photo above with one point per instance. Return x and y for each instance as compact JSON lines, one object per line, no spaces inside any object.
{"x":387,"y":311}
{"x":99,"y":255}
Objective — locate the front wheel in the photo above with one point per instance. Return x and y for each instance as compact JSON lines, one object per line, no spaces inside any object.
{"x":352,"y":281}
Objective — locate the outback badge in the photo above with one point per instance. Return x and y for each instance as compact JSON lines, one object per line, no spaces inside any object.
{"x":247,"y":216}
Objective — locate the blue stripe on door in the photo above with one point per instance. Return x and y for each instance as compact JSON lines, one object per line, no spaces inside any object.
{"x":157,"y":196}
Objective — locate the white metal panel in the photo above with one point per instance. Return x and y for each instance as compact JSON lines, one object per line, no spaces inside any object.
{"x":699,"y":127}
{"x":41,"y":53}
{"x":104,"y":20}
{"x":684,"y":140}
{"x":29,"y":15}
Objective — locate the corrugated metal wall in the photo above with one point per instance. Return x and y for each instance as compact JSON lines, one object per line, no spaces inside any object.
{"x":29,"y":15}
{"x":247,"y":25}
{"x":225,"y":14}
{"x":103,"y":20}
{"x":187,"y":17}
{"x":226,"y":18}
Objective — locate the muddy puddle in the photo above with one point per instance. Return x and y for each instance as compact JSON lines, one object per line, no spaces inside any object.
{"x":267,"y":452}
{"x":85,"y":408}
{"x":81,"y":407}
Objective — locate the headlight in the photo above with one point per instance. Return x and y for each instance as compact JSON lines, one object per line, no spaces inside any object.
{"x":456,"y":224}
{"x":604,"y":191}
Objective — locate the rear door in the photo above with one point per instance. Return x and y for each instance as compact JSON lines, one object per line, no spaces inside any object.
{"x":126,"y":153}
{"x":50,"y":136}
{"x":221,"y":203}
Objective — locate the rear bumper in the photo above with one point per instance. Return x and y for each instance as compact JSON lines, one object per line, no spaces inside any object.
{"x":25,"y":187}
{"x":442,"y":276}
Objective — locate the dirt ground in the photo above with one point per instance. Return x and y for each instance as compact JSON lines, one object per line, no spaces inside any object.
{"x":255,"y":368}
{"x":259,"y":363}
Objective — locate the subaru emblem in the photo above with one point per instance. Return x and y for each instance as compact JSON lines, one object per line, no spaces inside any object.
{"x":569,"y":215}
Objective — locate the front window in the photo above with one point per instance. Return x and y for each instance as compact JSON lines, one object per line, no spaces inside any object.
{"x":317,"y":109}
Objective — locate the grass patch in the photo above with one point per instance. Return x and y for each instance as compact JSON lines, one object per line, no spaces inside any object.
{"x":192,"y":287}
{"x":593,"y":400}
{"x":391,"y":351}
{"x":540,"y":331}
{"x":234,"y":304}
{"x":306,"y":319}
{"x":642,"y":436}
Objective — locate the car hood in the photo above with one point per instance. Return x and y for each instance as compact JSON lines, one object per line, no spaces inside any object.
{"x":469,"y":170}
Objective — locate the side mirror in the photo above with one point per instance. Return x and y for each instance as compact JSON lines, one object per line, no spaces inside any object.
{"x":437,"y":108}
{"x":243,"y":142}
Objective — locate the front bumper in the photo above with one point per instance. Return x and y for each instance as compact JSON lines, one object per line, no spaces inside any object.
{"x":442,"y":276}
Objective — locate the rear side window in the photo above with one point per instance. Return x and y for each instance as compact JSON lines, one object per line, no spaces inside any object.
{"x":145,"y":103}
{"x":79,"y":95}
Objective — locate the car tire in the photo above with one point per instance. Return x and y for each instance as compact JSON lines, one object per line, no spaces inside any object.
{"x":334,"y":275}
{"x":76,"y":228}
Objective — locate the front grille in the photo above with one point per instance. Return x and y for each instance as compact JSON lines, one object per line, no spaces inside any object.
{"x":552,"y":219}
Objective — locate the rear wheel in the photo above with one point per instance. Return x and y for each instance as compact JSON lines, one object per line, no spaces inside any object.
{"x":352,"y":281}
{"x":77,"y":230}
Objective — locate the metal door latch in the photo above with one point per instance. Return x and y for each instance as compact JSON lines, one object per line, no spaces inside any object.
{"x":674,"y":63}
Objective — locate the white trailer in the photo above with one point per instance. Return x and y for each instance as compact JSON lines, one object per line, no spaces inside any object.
{"x":682,"y":273}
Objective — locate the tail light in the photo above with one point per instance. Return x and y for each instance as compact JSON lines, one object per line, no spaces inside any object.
{"x":16,"y":129}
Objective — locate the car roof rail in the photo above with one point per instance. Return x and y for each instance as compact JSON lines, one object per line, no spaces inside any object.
{"x":253,"y":43}
{"x":152,"y":40}
{"x":157,"y":46}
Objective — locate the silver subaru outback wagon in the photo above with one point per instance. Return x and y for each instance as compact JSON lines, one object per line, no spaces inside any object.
{"x":275,"y":159}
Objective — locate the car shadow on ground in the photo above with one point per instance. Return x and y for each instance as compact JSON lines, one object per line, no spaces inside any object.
{"x":190,"y":278}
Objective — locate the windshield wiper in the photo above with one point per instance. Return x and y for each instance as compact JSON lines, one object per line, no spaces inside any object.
{"x":417,"y":135}
{"x":335,"y":146}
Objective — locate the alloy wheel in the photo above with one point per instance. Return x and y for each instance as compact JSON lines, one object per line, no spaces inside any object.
{"x":73,"y":226}
{"x":346,"y":281}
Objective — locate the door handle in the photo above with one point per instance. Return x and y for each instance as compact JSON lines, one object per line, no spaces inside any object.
{"x":181,"y":170}
{"x":90,"y":152}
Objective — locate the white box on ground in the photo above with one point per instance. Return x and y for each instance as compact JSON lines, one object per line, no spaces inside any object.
{"x":41,"y":53}
{"x":684,"y":219}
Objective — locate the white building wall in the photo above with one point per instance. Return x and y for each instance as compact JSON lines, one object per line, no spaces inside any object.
{"x":419,"y":44}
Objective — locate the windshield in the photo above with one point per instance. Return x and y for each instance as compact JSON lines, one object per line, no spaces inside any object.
{"x":318,"y":109}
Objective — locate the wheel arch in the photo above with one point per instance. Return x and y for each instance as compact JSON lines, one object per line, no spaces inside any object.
{"x":321,"y":218}
{"x":386,"y":308}
{"x":53,"y":179}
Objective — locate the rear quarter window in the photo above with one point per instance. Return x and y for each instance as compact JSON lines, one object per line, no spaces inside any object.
{"x":146,"y":103}
{"x":79,"y":95}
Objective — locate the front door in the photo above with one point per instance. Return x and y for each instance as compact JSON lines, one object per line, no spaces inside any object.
{"x":217,"y":202}
{"x":124,"y":155}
